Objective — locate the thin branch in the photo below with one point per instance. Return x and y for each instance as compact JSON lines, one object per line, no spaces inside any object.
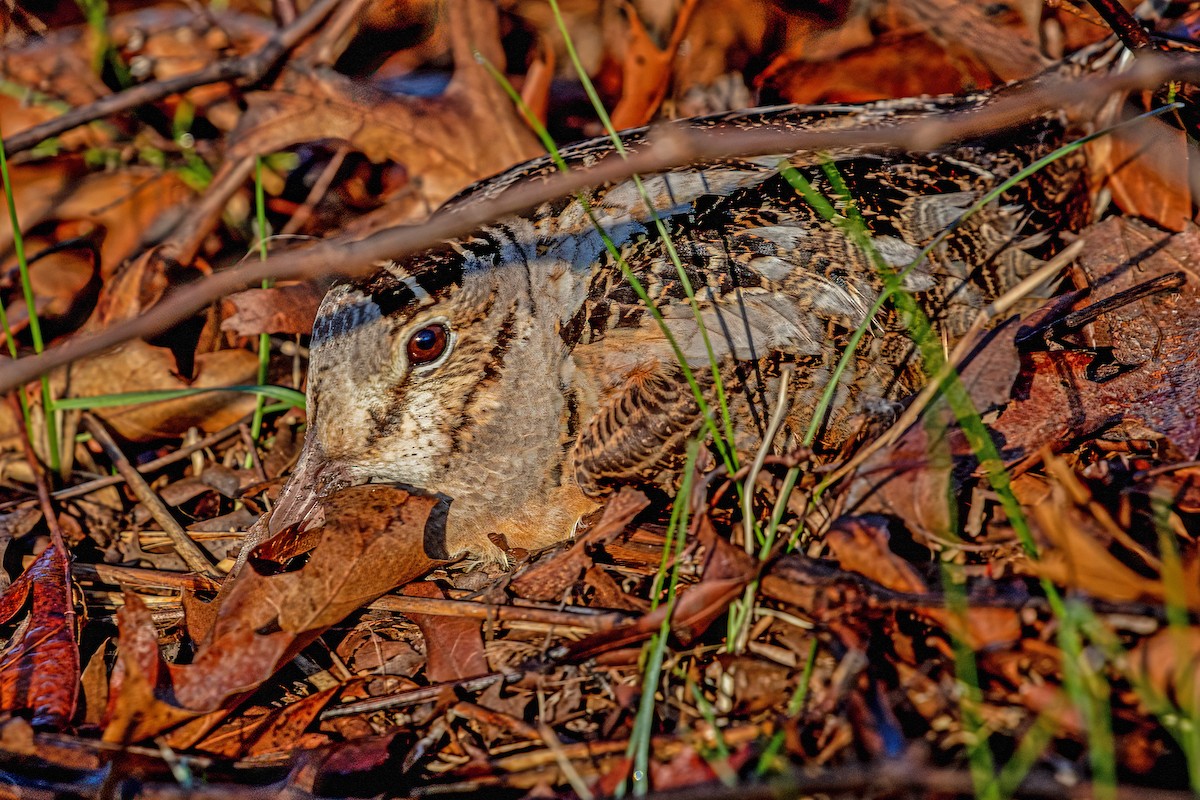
{"x":191,"y":553}
{"x":667,"y":147}
{"x":152,"y":466}
{"x":248,"y":69}
{"x":1123,"y":24}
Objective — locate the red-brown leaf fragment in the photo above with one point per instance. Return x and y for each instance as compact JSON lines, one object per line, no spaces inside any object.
{"x":39,"y":667}
{"x":372,"y":541}
{"x":453,"y":645}
{"x":281,"y":309}
{"x":1059,"y":397}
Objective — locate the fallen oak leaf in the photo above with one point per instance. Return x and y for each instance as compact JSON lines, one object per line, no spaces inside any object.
{"x":280,"y":309}
{"x":39,"y":667}
{"x":453,"y":645}
{"x":373,"y":539}
{"x":1059,"y":397}
{"x":727,"y":572}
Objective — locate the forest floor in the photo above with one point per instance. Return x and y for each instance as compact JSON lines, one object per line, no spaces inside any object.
{"x":1001,"y":603}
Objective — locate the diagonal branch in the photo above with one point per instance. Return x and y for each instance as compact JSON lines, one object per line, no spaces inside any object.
{"x":670,"y":146}
{"x":248,"y":69}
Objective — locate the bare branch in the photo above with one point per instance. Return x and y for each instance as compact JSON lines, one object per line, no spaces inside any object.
{"x":249,"y":69}
{"x":670,"y":146}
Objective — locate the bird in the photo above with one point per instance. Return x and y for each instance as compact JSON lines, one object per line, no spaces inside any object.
{"x":519,"y":373}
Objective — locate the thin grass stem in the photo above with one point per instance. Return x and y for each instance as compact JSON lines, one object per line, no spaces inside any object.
{"x":35,"y":328}
{"x":664,"y":234}
{"x":264,"y":340}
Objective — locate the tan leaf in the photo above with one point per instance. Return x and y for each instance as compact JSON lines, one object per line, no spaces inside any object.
{"x":372,"y":541}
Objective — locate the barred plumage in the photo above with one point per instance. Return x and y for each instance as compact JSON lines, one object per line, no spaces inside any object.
{"x":555,"y":382}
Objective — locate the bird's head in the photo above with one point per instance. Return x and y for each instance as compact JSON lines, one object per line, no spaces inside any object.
{"x":447,"y":373}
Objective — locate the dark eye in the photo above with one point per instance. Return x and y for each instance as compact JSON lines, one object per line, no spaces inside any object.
{"x":427,"y":344}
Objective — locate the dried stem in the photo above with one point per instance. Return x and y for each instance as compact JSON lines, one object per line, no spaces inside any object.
{"x":248,"y":69}
{"x":191,"y":553}
{"x":671,"y":146}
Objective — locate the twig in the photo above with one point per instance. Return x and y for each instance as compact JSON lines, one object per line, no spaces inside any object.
{"x":764,"y":450}
{"x":423,"y":695}
{"x":317,"y":193}
{"x":43,"y":490}
{"x":665,"y":148}
{"x":141,"y":578}
{"x":151,"y":466}
{"x":191,"y":553}
{"x":252,"y":449}
{"x":327,"y":45}
{"x":249,"y":69}
{"x":1123,"y":24}
{"x":957,"y":356}
{"x":473,"y":610}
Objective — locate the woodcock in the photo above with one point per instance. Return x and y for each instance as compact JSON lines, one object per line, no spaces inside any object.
{"x":517,"y":372}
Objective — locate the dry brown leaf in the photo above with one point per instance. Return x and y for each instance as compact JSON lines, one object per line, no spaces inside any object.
{"x":1059,"y":398}
{"x":1169,"y":661}
{"x":1076,"y":551}
{"x":1145,"y":166}
{"x":122,"y":208}
{"x":896,"y":65}
{"x":862,"y":547}
{"x":447,"y":142}
{"x":277,"y":730}
{"x":39,"y":666}
{"x":372,"y":540}
{"x":137,"y":366}
{"x":453,"y":645}
{"x":280,"y":309}
{"x":62,"y":282}
{"x":1005,"y":43}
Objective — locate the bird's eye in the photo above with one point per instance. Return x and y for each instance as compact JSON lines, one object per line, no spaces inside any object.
{"x":427,"y":344}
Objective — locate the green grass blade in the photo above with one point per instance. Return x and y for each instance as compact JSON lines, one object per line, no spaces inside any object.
{"x":264,"y":340}
{"x":770,"y":753}
{"x":655,"y":650}
{"x":288,"y":396}
{"x":35,"y":328}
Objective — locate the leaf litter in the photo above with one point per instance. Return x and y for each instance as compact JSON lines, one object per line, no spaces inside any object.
{"x":342,"y":659}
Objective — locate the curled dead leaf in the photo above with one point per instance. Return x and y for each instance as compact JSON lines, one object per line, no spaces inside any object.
{"x":372,"y":541}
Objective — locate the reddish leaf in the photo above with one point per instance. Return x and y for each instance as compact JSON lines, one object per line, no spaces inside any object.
{"x":275,"y":731}
{"x":1154,"y":341}
{"x":647,"y":70}
{"x":282,"y":309}
{"x":39,"y":668}
{"x":372,"y":541}
{"x":1145,"y":167}
{"x":453,"y":645}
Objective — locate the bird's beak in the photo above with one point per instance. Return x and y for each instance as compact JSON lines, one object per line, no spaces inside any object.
{"x":314,"y":477}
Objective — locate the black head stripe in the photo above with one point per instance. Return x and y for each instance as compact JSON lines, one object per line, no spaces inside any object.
{"x":436,"y":272}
